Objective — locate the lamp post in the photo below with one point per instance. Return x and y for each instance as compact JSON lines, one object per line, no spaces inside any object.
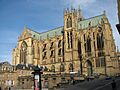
{"x":37,"y":78}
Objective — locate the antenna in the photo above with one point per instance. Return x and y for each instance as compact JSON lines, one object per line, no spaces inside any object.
{"x":79,"y":7}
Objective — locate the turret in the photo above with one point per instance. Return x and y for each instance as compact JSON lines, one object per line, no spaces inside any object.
{"x":79,"y":15}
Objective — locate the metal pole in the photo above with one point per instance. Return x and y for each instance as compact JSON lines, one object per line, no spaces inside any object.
{"x":40,"y":86}
{"x":34,"y":81}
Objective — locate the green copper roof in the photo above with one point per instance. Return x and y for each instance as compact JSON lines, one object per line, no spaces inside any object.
{"x":91,"y":22}
{"x":35,"y":34}
{"x":52,"y":33}
{"x":48,"y":34}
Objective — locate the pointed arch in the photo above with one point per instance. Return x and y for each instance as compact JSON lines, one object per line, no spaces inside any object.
{"x":62,"y":68}
{"x":69,"y":39}
{"x":89,"y":67}
{"x":88,"y":44}
{"x":100,"y":41}
{"x":53,"y":68}
{"x":79,"y":47}
{"x":71,"y":68}
{"x":80,"y":55}
{"x":23,"y":52}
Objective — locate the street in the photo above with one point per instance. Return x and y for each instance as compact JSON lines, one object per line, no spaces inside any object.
{"x":95,"y":85}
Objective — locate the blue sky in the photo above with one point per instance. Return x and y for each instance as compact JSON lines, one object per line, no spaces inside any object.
{"x":43,"y":15}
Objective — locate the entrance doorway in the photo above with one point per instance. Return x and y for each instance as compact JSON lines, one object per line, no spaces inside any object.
{"x":89,"y":68}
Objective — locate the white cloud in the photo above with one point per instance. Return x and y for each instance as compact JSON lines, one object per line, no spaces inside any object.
{"x":83,"y":1}
{"x":76,"y":3}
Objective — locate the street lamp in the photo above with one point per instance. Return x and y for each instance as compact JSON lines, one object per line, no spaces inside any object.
{"x":37,"y":78}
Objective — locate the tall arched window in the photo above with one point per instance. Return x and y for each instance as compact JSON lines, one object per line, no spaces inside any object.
{"x":100,"y":41}
{"x":85,"y":44}
{"x":88,"y":44}
{"x":60,"y":52}
{"x":69,"y":39}
{"x":59,"y":43}
{"x":23,"y":52}
{"x":53,"y":68}
{"x":79,"y":48}
{"x":62,"y":68}
{"x":71,"y":67}
{"x":69,"y":22}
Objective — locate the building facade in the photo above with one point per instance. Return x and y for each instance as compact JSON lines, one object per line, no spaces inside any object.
{"x":25,"y":79}
{"x":81,"y":45}
{"x":16,"y":77}
{"x":7,"y":75}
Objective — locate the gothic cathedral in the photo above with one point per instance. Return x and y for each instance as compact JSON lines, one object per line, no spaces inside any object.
{"x":81,"y":45}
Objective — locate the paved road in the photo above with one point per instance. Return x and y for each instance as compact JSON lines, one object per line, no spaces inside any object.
{"x":28,"y":89}
{"x":95,"y":85}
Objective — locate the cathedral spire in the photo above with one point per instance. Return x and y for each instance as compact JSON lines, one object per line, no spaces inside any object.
{"x":79,"y":14}
{"x":79,"y":8}
{"x":117,"y":49}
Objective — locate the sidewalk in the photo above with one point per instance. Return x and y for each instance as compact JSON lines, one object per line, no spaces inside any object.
{"x":29,"y":89}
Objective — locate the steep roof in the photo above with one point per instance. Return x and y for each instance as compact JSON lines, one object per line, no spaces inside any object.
{"x":52,"y":33}
{"x":48,"y":34}
{"x":25,"y":66}
{"x":90,"y":22}
{"x":6,"y":62}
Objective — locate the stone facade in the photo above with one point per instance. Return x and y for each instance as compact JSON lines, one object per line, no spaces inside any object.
{"x":118,"y":57}
{"x":7,"y":75}
{"x":16,"y":77}
{"x":24,"y":76}
{"x":81,"y":45}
